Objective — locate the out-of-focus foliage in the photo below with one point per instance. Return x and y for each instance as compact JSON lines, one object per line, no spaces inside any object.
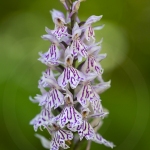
{"x":126,"y":42}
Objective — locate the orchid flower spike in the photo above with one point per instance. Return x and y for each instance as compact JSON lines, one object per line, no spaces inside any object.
{"x":71,"y":85}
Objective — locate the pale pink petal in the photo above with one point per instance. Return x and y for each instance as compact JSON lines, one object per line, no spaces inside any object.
{"x":51,"y":38}
{"x":57,"y":15}
{"x":93,"y":19}
{"x":64,"y":3}
{"x":101,"y":87}
{"x":44,"y":141}
{"x":36,"y":99}
{"x":90,"y":77}
{"x":76,"y":31}
{"x":100,"y":57}
{"x":97,"y":115}
{"x":100,"y":140}
{"x":99,"y":27}
{"x":75,"y":7}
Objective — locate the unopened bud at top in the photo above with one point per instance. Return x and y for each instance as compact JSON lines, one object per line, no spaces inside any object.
{"x":75,"y":7}
{"x":64,"y":3}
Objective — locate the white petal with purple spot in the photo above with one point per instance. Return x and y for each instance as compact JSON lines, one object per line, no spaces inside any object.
{"x":79,"y":48}
{"x":59,"y":139}
{"x":96,"y":105}
{"x":85,"y":94}
{"x":60,"y":32}
{"x":92,"y":65}
{"x":51,"y":57}
{"x":42,"y":119}
{"x":84,"y":130}
{"x":55,"y":99}
{"x":48,"y":74}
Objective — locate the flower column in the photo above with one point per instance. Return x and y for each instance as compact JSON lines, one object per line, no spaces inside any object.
{"x":69,"y":99}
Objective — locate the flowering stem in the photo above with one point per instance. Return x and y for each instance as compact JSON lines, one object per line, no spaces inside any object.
{"x":72,"y":25}
{"x":73,"y":19}
{"x":78,"y":144}
{"x":65,"y":110}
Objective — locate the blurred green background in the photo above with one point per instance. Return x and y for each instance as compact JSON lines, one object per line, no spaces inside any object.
{"x":126,"y":41}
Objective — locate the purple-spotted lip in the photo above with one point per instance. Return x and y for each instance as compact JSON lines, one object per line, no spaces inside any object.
{"x":70,"y":75}
{"x":69,"y":115}
{"x":79,"y":48}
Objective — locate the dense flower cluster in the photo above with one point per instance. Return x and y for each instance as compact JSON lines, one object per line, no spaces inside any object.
{"x":69,"y":100}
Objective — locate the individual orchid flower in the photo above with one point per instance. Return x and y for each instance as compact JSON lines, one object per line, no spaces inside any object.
{"x":92,"y":61}
{"x":86,"y":93}
{"x":59,"y":137}
{"x":42,"y":120}
{"x":60,"y":29}
{"x":87,"y":96}
{"x":70,"y":74}
{"x":54,"y":97}
{"x":69,"y":114}
{"x":48,"y":74}
{"x":78,"y":48}
{"x":91,"y":64}
{"x":89,"y":33}
{"x":84,"y":129}
{"x":53,"y":54}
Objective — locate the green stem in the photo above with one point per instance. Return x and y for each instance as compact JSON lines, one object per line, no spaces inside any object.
{"x":78,"y":144}
{"x":73,"y":19}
